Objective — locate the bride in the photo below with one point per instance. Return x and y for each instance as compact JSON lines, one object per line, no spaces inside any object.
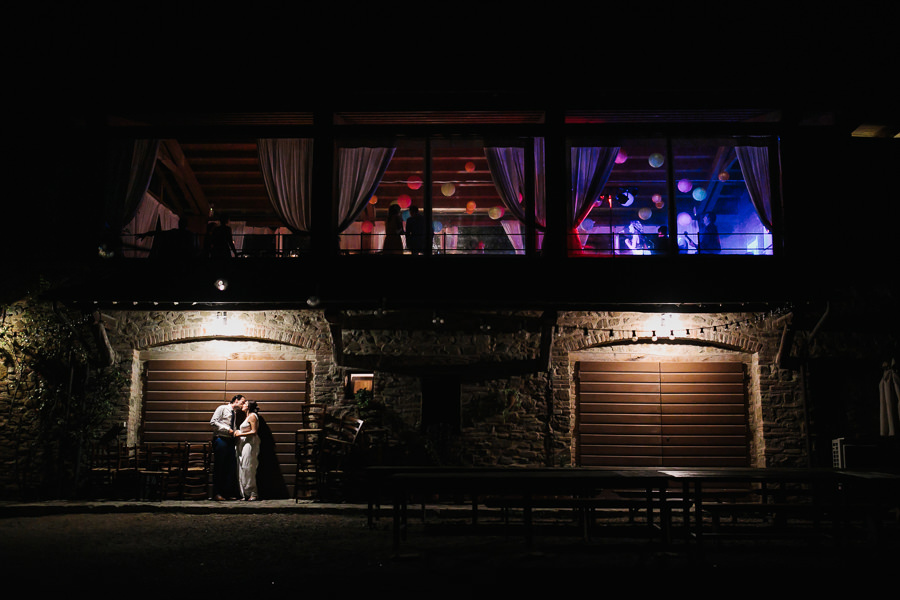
{"x":248,"y":449}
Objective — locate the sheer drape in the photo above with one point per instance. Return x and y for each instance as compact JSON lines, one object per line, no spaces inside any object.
{"x":359,"y":173}
{"x":149,"y":211}
{"x":286,"y":165}
{"x":507,"y":167}
{"x":130,"y":169}
{"x":591,"y":167}
{"x":754,"y":161}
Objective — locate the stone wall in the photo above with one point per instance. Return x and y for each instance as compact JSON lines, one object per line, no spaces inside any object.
{"x":507,"y":418}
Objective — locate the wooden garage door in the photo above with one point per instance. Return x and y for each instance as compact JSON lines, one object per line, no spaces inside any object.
{"x":678,"y":414}
{"x":181,"y":395}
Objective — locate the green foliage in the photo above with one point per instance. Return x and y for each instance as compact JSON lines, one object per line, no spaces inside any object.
{"x":58,"y":393}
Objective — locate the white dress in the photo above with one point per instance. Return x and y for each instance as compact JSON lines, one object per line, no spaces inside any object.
{"x":248,"y":460}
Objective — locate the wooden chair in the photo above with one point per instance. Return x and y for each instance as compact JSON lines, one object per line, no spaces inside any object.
{"x":162,"y":472}
{"x":102,"y":468}
{"x":195,"y":478}
{"x":306,"y":450}
{"x":336,"y":452}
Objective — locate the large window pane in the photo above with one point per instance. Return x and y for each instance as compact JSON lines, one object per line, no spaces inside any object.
{"x":476,"y":203}
{"x":628,"y":214}
{"x":715,"y":213}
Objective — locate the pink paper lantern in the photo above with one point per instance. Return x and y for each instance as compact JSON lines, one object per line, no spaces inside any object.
{"x":621,"y":157}
{"x":414,"y":182}
{"x":684,"y":186}
{"x":404,"y":201}
{"x":368,"y":227}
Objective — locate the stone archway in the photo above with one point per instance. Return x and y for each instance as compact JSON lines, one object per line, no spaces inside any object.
{"x":776,"y":415}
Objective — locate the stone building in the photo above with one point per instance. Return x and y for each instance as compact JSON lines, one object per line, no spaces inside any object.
{"x":532,"y":307}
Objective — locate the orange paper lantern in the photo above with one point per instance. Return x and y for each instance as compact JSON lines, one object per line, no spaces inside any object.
{"x":470,"y":207}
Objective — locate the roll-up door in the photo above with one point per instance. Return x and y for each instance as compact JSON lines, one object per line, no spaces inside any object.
{"x":649,"y":414}
{"x":181,"y":395}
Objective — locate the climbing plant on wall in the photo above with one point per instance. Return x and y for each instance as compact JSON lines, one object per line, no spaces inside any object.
{"x":56,"y":391}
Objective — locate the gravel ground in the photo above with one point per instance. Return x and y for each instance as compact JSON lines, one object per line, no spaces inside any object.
{"x":338,"y":555}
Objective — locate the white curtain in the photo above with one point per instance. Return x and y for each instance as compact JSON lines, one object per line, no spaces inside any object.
{"x":591,"y":167}
{"x":513,"y":231}
{"x":359,"y":173}
{"x":889,"y":398}
{"x":754,"y":161}
{"x":286,"y":165}
{"x":131,"y":164}
{"x":507,"y":166}
{"x":148,"y":212}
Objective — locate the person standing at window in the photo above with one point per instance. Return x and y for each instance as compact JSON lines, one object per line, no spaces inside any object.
{"x":635,"y":240}
{"x":708,"y":238}
{"x":393,"y":231}
{"x":415,"y":231}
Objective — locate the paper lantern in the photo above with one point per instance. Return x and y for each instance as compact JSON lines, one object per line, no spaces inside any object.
{"x":404,"y":215}
{"x":436,"y":226}
{"x":656,"y":160}
{"x":685,"y":185}
{"x":587,"y":224}
{"x":448,"y":189}
{"x":373,"y":200}
{"x":645,"y":213}
{"x":495,"y":212}
{"x":699,"y":194}
{"x":621,"y":157}
{"x":404,"y":201}
{"x":684,"y":219}
{"x":724,"y":176}
{"x":470,"y":207}
{"x":368,"y":227}
{"x":657,"y":198}
{"x":414,"y":182}
{"x":470,"y":167}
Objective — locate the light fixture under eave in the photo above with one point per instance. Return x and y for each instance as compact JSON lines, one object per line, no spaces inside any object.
{"x":221,"y":284}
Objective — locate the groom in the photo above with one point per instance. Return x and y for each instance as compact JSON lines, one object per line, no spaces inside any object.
{"x":225,"y":482}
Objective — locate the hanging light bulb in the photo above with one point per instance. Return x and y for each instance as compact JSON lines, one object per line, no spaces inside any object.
{"x":653,"y":337}
{"x":634,"y":336}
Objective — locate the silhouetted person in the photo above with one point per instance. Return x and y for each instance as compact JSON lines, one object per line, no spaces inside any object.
{"x":415,"y":231}
{"x":708,"y":238}
{"x":393,"y":231}
{"x":221,"y":241}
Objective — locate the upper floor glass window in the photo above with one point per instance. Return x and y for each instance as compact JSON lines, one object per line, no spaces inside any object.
{"x":648,"y":196}
{"x":441,"y":196}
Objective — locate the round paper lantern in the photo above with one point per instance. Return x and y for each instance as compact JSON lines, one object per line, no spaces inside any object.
{"x":404,"y":215}
{"x":587,"y":224}
{"x":657,"y":198}
{"x":621,"y":157}
{"x":448,"y":189}
{"x":404,"y":201}
{"x":645,"y":213}
{"x":470,"y":207}
{"x":470,"y":167}
{"x":685,"y":185}
{"x":699,"y":194}
{"x":656,"y":160}
{"x":684,"y":219}
{"x":436,"y":226}
{"x":414,"y":182}
{"x":373,"y":200}
{"x":368,"y":227}
{"x":495,"y":212}
{"x":724,"y":176}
